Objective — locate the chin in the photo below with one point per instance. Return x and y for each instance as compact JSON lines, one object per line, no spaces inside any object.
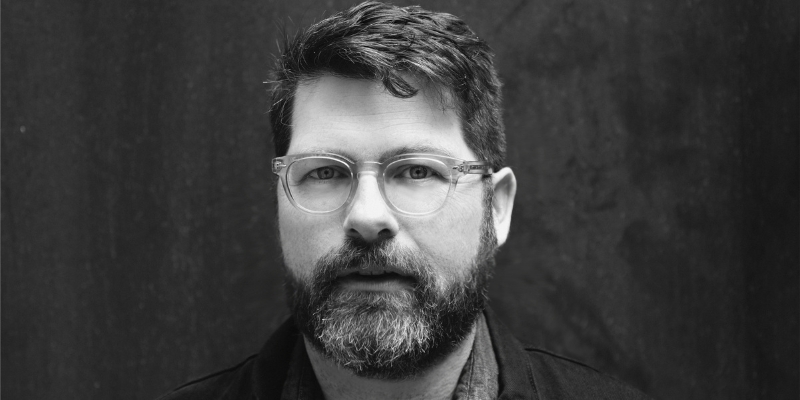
{"x":388,"y":335}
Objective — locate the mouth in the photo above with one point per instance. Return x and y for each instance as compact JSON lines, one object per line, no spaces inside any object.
{"x":371,"y":270}
{"x":374,"y":279}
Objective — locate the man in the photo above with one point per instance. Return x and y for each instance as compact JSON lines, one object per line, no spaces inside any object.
{"x":394,"y":199}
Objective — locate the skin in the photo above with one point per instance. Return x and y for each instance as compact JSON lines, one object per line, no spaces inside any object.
{"x":360,"y":120}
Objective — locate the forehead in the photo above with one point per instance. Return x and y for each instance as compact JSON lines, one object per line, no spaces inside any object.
{"x":360,"y":119}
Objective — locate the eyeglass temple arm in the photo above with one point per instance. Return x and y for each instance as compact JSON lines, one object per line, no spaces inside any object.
{"x":277,"y":166}
{"x":474,"y":167}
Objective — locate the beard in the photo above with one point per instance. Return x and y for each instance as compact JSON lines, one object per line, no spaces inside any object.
{"x":392,"y":334}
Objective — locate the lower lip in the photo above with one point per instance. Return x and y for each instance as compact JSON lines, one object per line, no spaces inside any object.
{"x":386,"y":282}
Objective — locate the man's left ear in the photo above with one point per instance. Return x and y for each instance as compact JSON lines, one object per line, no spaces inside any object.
{"x":505,"y":188}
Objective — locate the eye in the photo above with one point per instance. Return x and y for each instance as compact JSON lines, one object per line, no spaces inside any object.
{"x":324,"y":173}
{"x":417,"y":172}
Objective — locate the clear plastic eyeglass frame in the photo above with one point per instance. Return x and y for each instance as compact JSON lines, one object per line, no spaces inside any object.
{"x":456,"y":168}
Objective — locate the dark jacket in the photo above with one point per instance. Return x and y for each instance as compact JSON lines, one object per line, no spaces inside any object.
{"x":524,"y":373}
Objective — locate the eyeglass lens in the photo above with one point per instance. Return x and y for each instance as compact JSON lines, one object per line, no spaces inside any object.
{"x":413,"y":185}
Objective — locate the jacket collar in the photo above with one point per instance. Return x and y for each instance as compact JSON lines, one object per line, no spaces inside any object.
{"x":516,"y":374}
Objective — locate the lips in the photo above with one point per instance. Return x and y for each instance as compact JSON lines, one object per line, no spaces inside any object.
{"x":375,"y":278}
{"x":371,"y":271}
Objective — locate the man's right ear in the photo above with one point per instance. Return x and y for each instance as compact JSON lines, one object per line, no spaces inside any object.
{"x":505,"y":188}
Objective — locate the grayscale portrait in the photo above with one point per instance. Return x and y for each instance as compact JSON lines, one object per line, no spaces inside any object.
{"x":369,"y":200}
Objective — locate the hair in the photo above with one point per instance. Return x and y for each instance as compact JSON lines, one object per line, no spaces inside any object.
{"x":381,"y":42}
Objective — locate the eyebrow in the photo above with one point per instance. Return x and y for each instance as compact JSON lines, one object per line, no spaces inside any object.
{"x":421,"y":148}
{"x":417,"y":148}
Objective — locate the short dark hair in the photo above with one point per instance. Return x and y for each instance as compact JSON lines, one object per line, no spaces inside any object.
{"x":382,"y":42}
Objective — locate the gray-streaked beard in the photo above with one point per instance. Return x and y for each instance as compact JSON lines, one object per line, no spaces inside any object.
{"x":390,"y":335}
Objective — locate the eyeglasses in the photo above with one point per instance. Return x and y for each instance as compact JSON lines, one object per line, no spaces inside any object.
{"x":412,"y":184}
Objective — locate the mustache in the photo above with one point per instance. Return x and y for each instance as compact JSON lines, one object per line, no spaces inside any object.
{"x":356,"y":253}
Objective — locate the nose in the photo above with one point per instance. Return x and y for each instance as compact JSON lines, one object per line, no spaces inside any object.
{"x":368,"y":216}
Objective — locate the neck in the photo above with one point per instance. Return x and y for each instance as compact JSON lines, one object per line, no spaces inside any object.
{"x":438,"y":382}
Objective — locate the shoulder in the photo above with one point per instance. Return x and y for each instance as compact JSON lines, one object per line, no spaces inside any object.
{"x":259,"y":376}
{"x":532,"y":373}
{"x":231,"y":383}
{"x":559,"y":377}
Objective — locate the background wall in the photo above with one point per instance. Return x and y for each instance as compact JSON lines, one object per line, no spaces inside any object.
{"x":655,"y":231}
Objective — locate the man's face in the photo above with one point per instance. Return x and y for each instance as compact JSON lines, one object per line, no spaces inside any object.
{"x":442,"y":255}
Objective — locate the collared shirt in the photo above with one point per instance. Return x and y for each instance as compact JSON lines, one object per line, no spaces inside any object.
{"x":478,"y":378}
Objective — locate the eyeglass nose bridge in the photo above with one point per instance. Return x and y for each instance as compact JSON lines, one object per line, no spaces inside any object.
{"x":373,"y":168}
{"x":368,"y":168}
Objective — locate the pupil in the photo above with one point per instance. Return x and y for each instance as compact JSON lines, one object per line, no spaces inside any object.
{"x":325,"y":173}
{"x":418,"y":172}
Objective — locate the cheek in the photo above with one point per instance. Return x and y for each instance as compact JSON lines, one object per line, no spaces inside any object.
{"x":452,"y":237}
{"x":304,"y":238}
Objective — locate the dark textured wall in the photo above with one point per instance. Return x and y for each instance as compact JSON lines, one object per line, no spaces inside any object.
{"x":655,"y":231}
